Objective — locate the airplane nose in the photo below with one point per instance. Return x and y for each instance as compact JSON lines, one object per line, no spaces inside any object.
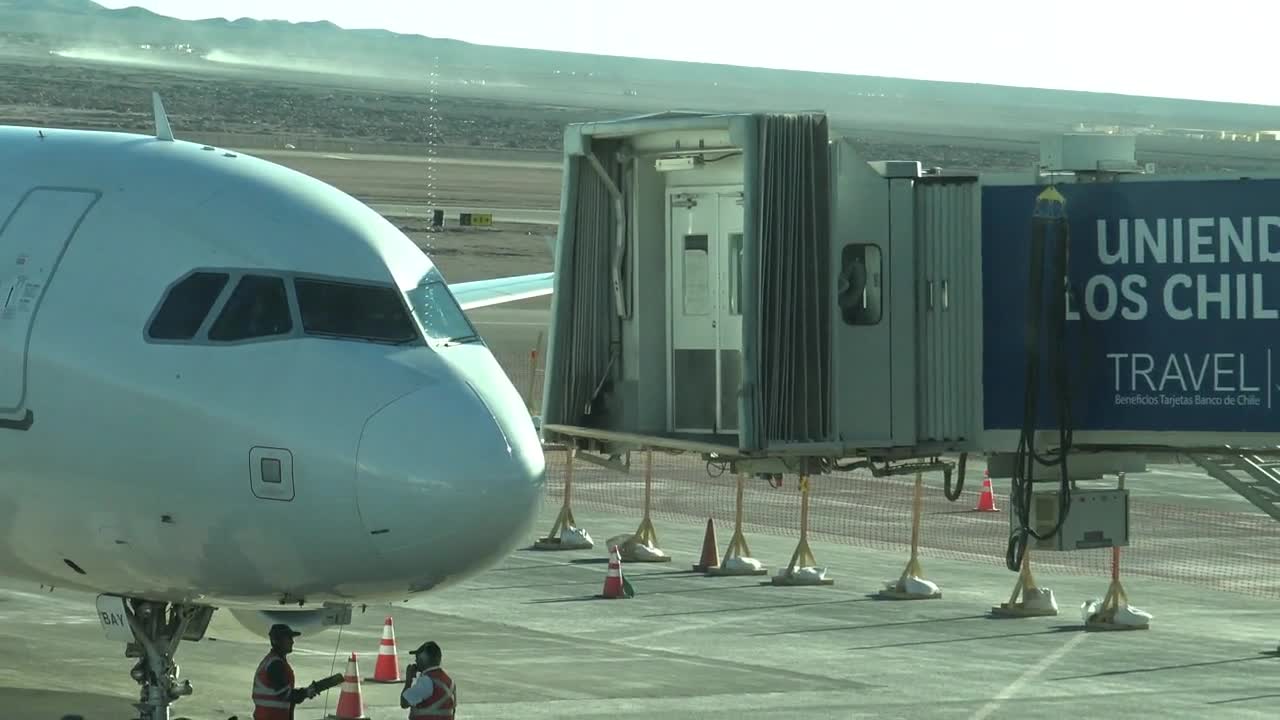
{"x":447,"y":481}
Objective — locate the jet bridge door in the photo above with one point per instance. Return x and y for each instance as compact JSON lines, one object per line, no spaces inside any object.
{"x":33,"y":239}
{"x":705,"y":261}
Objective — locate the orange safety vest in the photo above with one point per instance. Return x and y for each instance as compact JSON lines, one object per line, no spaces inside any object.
{"x":269,"y":704}
{"x":440,"y":704}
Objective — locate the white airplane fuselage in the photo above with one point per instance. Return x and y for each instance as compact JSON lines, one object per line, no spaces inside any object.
{"x":135,"y":466}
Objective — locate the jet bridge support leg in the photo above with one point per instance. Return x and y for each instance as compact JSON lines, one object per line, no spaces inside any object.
{"x":912,"y":585}
{"x":565,"y":534}
{"x":1114,"y":612}
{"x":643,"y":545}
{"x":1035,"y":601}
{"x":801,"y":570}
{"x":737,"y":556}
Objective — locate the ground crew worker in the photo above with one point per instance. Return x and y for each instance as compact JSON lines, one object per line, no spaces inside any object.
{"x":433,"y":694}
{"x":273,"y":693}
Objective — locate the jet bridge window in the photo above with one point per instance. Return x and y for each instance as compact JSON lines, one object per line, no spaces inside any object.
{"x":258,"y":307}
{"x":696,"y":272}
{"x":859,"y":288}
{"x":735,"y":273}
{"x":186,"y":305}
{"x":350,"y":310}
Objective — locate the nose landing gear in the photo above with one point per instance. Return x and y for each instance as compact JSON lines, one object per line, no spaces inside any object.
{"x":158,"y":628}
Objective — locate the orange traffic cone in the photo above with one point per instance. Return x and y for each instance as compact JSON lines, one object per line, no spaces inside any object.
{"x":710,"y":556}
{"x":987,"y":500}
{"x":614,"y":586}
{"x":350,"y":702}
{"x":387,"y":669}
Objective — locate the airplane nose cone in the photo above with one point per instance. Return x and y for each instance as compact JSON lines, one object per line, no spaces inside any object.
{"x":444,"y":485}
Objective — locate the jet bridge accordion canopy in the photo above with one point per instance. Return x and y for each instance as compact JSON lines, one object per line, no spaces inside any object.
{"x":616,"y":344}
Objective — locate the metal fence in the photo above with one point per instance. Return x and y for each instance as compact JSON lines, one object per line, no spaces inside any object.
{"x":1237,"y":551}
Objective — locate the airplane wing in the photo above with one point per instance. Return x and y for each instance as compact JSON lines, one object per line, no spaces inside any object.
{"x":482,"y":293}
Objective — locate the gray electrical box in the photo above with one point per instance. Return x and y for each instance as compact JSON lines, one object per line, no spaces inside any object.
{"x":1096,"y":519}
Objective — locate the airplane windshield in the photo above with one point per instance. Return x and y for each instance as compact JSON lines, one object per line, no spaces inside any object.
{"x":442,"y":320}
{"x":353,"y":311}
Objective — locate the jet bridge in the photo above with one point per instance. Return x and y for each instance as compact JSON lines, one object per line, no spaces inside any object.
{"x":744,"y":285}
{"x":1169,"y":312}
{"x":1168,"y":318}
{"x":747,"y":285}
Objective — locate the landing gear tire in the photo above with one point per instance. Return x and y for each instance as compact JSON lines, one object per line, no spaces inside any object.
{"x":158,"y":628}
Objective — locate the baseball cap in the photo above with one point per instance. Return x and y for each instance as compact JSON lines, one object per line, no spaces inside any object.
{"x":282,"y":629}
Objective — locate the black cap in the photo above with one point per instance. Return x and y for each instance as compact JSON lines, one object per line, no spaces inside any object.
{"x":280,"y":629}
{"x":429,"y":646}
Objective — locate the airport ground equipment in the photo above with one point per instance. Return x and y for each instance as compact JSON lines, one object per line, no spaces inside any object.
{"x":328,"y":683}
{"x":1027,"y":599}
{"x":564,"y":533}
{"x":1099,"y":518}
{"x":642,"y":545}
{"x":1113,"y":612}
{"x":1255,"y":478}
{"x":912,"y":585}
{"x":803,"y":567}
{"x":748,"y":288}
{"x":737,"y":558}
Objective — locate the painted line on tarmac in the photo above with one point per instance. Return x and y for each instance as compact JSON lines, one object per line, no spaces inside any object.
{"x":733,"y":617}
{"x":1031,"y":674}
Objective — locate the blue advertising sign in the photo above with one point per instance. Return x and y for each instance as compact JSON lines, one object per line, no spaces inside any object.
{"x":1178,"y":309}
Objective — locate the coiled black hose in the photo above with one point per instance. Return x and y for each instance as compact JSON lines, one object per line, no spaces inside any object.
{"x":1049,"y":225}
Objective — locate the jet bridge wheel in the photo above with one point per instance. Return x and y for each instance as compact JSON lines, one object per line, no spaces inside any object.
{"x":158,"y":628}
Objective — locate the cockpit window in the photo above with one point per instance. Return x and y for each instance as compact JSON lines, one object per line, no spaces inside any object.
{"x":349,"y":310}
{"x":186,"y":305}
{"x":438,"y":313}
{"x":259,"y":307}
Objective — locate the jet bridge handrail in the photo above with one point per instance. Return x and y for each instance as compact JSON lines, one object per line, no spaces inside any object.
{"x":1261,"y":484}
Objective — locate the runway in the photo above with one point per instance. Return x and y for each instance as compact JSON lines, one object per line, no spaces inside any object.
{"x":491,"y":161}
{"x":501,"y":215}
{"x":418,"y":182}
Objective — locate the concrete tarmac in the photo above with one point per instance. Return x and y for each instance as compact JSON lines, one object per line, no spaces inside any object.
{"x":528,"y":639}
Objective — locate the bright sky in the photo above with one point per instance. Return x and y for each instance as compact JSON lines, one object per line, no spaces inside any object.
{"x":1208,"y":51}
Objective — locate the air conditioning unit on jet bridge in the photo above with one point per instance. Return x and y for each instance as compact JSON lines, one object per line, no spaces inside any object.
{"x":776,"y":295}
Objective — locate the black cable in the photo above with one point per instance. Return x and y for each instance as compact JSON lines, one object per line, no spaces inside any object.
{"x":1049,"y":224}
{"x":336,"y":646}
